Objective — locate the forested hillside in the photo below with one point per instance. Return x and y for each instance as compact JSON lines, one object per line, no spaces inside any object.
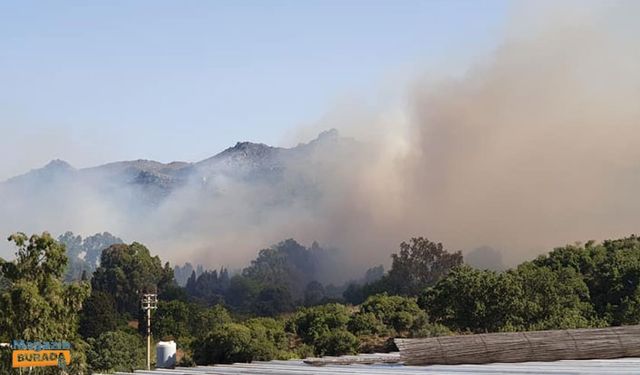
{"x":276,"y":308}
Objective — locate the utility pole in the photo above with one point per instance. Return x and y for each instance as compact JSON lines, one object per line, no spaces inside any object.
{"x":149,"y":302}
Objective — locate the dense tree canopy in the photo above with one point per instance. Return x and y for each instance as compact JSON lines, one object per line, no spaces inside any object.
{"x":474,"y":300}
{"x":98,"y":315}
{"x":184,"y":321}
{"x":322,"y":327}
{"x":314,"y":294}
{"x":35,"y":304}
{"x":526,"y":298}
{"x":611,"y":272}
{"x":420,"y":263}
{"x":402,"y":314}
{"x":216,"y":318}
{"x":126,"y":271}
{"x":209,"y":287}
{"x":228,"y":343}
{"x":116,"y":351}
{"x":183,"y":273}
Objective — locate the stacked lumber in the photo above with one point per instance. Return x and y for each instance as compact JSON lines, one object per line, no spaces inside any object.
{"x":539,"y":346}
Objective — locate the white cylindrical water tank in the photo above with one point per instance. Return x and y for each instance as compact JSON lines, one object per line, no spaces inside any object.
{"x":166,"y":354}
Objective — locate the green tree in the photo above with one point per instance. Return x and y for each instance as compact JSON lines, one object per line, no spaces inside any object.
{"x":229,"y":343}
{"x":35,"y":304}
{"x":242,"y":293}
{"x":313,"y":324}
{"x":98,"y":315}
{"x":203,"y":320}
{"x":314,"y":293}
{"x":171,"y":320}
{"x":269,"y":339}
{"x":611,"y":271}
{"x":272,"y":301}
{"x":468,"y":299}
{"x":126,"y":271}
{"x":400,"y":315}
{"x":553,"y":299}
{"x":365,"y":323}
{"x":531,"y":297}
{"x":116,"y":351}
{"x":355,"y":293}
{"x":419,"y":264}
{"x":337,"y":342}
{"x":209,"y":287}
{"x":286,"y":265}
{"x":261,"y":339}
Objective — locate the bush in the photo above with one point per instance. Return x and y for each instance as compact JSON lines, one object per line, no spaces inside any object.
{"x":431,"y":330}
{"x":270,"y":341}
{"x":337,"y":342}
{"x":272,"y":301}
{"x":473,"y":300}
{"x":313,"y":322}
{"x":261,"y":339}
{"x":365,"y":323}
{"x":325,"y":328}
{"x":397,"y":313}
{"x":171,"y":320}
{"x":115,"y":351}
{"x":98,"y":315}
{"x":203,"y":320}
{"x":228,"y":343}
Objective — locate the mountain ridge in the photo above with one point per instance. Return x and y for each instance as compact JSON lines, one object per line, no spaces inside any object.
{"x":147,"y":183}
{"x":241,"y":152}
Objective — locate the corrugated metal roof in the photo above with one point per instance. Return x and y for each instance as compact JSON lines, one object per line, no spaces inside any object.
{"x":584,"y":367}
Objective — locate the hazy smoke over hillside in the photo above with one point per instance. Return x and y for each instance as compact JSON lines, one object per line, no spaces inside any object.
{"x":535,"y":146}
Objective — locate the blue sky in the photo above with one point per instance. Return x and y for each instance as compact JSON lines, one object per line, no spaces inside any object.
{"x":97,"y":81}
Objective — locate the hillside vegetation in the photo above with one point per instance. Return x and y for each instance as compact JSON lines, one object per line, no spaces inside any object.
{"x":276,"y":308}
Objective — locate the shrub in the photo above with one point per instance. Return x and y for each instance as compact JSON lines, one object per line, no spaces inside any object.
{"x":261,"y":339}
{"x":228,"y":343}
{"x":270,"y":341}
{"x":203,"y":320}
{"x":365,"y":323}
{"x":401,"y":314}
{"x":313,"y":322}
{"x":115,"y":351}
{"x":337,"y":342}
{"x":431,"y":330}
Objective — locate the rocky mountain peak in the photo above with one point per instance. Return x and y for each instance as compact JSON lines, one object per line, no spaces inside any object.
{"x":246,"y":150}
{"x":58,"y":165}
{"x":329,"y":135}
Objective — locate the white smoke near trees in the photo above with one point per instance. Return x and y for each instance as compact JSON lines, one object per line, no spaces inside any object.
{"x":535,"y":146}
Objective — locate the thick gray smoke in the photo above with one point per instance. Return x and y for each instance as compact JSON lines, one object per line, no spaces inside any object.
{"x":535,"y":146}
{"x":538,"y":146}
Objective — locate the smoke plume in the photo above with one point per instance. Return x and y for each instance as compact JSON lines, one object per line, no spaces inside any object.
{"x":535,"y":146}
